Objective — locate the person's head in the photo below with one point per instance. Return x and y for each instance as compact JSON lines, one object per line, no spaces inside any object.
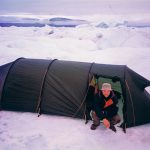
{"x":106,"y":89}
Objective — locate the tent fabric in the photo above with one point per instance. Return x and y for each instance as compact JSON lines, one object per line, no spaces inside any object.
{"x":23,"y":85}
{"x":60,"y":87}
{"x":4,"y":70}
{"x":3,"y":74}
{"x":65,"y":88}
{"x":138,"y":103}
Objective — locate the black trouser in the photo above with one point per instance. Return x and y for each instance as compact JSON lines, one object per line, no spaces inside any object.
{"x":113,"y":120}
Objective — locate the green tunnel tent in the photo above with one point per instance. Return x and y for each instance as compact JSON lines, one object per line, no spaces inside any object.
{"x":60,"y":87}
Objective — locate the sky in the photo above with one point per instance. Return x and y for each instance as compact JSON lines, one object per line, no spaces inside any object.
{"x":75,"y":7}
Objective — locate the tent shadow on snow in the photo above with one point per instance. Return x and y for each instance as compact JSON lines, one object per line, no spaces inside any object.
{"x":61,"y":87}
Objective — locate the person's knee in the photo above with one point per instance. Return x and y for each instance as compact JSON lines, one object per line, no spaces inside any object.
{"x":95,"y":118}
{"x":116,"y":119}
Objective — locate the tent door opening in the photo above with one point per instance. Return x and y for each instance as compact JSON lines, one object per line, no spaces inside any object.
{"x":116,"y":87}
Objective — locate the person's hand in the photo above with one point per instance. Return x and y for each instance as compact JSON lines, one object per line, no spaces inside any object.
{"x":108,"y":103}
{"x":92,"y":82}
{"x":106,"y":123}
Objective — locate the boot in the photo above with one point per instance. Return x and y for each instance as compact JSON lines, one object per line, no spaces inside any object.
{"x":113,"y":128}
{"x":93,"y":126}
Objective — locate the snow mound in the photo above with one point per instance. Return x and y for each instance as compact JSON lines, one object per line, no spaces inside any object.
{"x":29,"y":21}
{"x":65,"y":22}
{"x":7,"y":21}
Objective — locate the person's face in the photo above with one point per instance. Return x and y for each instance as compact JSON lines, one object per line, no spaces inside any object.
{"x":106,"y":93}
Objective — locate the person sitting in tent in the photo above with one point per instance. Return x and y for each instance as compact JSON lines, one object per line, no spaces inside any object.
{"x":105,"y":108}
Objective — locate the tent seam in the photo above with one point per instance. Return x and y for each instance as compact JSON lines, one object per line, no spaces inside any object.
{"x":9,"y":70}
{"x":42,"y":85}
{"x":131,"y":102}
{"x":85,"y":93}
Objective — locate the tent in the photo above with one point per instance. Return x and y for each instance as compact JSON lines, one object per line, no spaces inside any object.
{"x":60,"y":88}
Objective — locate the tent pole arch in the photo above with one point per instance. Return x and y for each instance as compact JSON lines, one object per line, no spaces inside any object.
{"x":137,"y":102}
{"x":130,"y":97}
{"x":41,"y":90}
{"x":83,"y":101}
{"x":122,"y":82}
{"x":8,"y":71}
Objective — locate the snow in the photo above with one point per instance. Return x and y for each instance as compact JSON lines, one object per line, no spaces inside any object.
{"x":26,"y":131}
{"x":120,"y":35}
{"x":113,"y":45}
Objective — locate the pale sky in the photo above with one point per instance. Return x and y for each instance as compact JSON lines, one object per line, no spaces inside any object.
{"x":73,"y":7}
